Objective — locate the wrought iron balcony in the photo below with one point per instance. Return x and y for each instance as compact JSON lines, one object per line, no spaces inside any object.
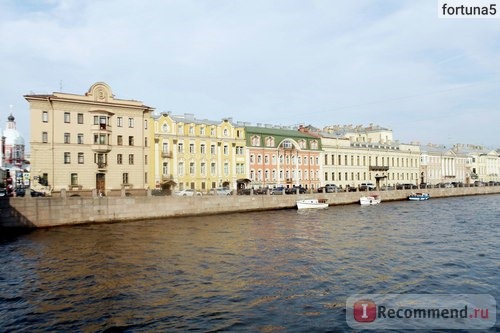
{"x":101,"y":166}
{"x":379,"y":167}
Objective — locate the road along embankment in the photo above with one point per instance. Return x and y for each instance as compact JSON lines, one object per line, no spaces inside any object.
{"x":43,"y":212}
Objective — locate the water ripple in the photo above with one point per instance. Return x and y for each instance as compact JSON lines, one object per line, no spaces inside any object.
{"x":278,"y":271}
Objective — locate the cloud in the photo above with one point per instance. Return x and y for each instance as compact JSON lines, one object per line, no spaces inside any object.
{"x":282,"y":62}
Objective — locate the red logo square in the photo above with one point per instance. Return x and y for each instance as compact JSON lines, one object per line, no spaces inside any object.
{"x":365,"y":311}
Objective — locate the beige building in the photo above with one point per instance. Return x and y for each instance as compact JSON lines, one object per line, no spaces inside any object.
{"x":90,"y":141}
{"x":356,"y":155}
{"x":439,"y":164}
{"x":484,"y":163}
{"x":190,"y":153}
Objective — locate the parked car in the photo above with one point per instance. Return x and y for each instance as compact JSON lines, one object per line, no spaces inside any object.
{"x":328,"y":188}
{"x":36,"y":193}
{"x":406,"y":186}
{"x":220,"y":191}
{"x":244,"y":191}
{"x":293,"y":190}
{"x":366,"y":187}
{"x":3,"y":192}
{"x":20,"y":192}
{"x":187,"y":193}
{"x":277,"y":191}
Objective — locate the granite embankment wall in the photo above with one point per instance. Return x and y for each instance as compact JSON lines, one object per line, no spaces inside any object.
{"x":58,"y":211}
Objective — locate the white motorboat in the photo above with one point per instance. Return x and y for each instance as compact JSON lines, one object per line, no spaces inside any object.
{"x":311,"y":204}
{"x":370,"y":200}
{"x":419,"y":196}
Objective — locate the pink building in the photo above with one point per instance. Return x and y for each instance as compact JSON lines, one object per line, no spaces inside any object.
{"x":282,"y":157}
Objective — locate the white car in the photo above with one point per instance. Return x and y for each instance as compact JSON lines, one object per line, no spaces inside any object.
{"x":219,"y":191}
{"x":187,"y":193}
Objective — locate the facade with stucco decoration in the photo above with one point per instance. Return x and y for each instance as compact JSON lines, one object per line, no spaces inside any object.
{"x":282,"y":157}
{"x":90,"y":141}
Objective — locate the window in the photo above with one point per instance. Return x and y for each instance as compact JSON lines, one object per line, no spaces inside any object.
{"x":131,"y":159}
{"x":130,"y":122}
{"x":180,"y":129}
{"x":226,"y":132}
{"x":180,"y":147}
{"x":191,"y":148}
{"x":145,"y":141}
{"x":164,"y":128}
{"x":180,"y":168}
{"x":119,"y":121}
{"x":165,"y":168}
{"x":125,"y":178}
{"x":80,"y":158}
{"x":212,"y":131}
{"x":100,"y":139}
{"x":226,"y":168}
{"x":165,"y":148}
{"x":96,"y":120}
{"x":202,"y":130}
{"x":145,"y":159}
{"x":45,"y":116}
{"x":119,"y":159}
{"x":212,"y":168}
{"x":74,"y":179}
{"x":80,"y":138}
{"x":66,"y":137}
{"x":45,"y":137}
{"x":202,"y":148}
{"x":212,"y":149}
{"x":226,"y":150}
{"x":191,"y":168}
{"x":239,"y":150}
{"x":203,"y":168}
{"x":145,"y":124}
{"x":80,"y":118}
{"x":130,"y":140}
{"x":191,"y":130}
{"x":66,"y":117}
{"x":67,"y":158}
{"x":240,"y":168}
{"x":102,"y":122}
{"x":119,"y":140}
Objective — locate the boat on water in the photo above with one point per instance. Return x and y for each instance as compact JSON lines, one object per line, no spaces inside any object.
{"x":419,"y":196}
{"x":311,"y":204}
{"x":370,"y":200}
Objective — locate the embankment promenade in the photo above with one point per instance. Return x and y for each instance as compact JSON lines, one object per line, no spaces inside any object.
{"x":43,"y":212}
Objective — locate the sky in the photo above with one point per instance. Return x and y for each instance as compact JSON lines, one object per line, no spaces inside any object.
{"x":393,"y":63}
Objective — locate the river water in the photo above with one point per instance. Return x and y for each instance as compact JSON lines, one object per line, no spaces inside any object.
{"x":276,"y":271}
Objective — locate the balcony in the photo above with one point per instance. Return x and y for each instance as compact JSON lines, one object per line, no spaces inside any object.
{"x":102,"y":166}
{"x":101,"y":128}
{"x":104,"y":148}
{"x":166,"y":154}
{"x":379,"y":168}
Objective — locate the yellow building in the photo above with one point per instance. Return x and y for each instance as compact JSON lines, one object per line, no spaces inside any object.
{"x":190,"y":153}
{"x":89,"y":142}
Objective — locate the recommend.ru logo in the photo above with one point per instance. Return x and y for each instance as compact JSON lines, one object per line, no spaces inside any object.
{"x":421,"y":311}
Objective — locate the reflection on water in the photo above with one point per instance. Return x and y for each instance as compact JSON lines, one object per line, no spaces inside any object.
{"x":267,"y":272}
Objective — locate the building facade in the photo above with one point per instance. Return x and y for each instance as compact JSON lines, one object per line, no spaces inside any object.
{"x":190,"y":153}
{"x":90,"y":141}
{"x":440,"y":164}
{"x":484,"y":163}
{"x":282,"y":157}
{"x":356,"y":155}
